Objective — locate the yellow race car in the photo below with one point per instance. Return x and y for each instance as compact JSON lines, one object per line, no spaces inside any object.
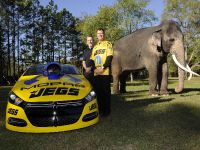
{"x":51,"y":98}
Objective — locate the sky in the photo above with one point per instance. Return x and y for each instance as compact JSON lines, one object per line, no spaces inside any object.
{"x":80,"y":8}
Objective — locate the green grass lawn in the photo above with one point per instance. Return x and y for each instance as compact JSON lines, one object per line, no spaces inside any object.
{"x":137,"y":121}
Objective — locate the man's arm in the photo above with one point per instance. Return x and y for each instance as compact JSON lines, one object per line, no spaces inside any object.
{"x":84,"y":64}
{"x":107,"y":62}
{"x":87,"y":69}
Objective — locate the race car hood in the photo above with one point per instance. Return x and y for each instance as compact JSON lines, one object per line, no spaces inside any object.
{"x":39,"y":88}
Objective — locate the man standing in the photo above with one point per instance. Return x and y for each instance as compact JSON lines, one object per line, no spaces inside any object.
{"x":102,"y":54}
{"x":87,"y":63}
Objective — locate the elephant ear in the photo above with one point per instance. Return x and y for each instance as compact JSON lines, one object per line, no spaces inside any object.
{"x":156,"y":38}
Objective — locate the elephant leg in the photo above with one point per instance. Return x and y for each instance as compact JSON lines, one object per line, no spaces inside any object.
{"x":164,"y":82}
{"x":152,"y":70}
{"x":159,"y":75}
{"x":123,"y":78}
{"x":116,"y":71}
{"x":116,"y":84}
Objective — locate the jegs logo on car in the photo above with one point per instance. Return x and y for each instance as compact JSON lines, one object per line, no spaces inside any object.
{"x":12,"y":111}
{"x":54,"y":91}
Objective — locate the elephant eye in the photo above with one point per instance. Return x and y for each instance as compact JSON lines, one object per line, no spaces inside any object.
{"x":172,"y":40}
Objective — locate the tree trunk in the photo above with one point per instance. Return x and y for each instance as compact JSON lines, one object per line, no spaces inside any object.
{"x":18,"y":51}
{"x":8,"y":47}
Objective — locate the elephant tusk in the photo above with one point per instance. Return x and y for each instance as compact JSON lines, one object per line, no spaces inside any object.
{"x":182,"y":67}
{"x":187,"y":66}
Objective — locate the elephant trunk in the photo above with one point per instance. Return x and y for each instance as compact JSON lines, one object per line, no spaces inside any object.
{"x":178,"y":50}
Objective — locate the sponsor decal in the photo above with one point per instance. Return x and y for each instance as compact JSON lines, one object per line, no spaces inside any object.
{"x":12,"y":111}
{"x":54,"y":91}
{"x":31,"y":81}
{"x":100,"y":51}
{"x":98,"y":60}
{"x":93,"y":106}
{"x":77,"y":85}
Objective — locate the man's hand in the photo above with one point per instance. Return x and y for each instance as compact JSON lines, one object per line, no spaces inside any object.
{"x":88,"y":70}
{"x":99,"y":70}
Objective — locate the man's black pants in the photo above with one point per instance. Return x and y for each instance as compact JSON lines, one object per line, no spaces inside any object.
{"x":90,"y":77}
{"x":103,"y":91}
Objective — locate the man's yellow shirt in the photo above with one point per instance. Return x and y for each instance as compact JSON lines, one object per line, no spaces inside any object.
{"x":99,"y":54}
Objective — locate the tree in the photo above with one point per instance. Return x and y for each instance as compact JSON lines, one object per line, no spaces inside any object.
{"x":2,"y":52}
{"x":133,"y":15}
{"x":31,"y":33}
{"x":186,"y":13}
{"x":67,"y":34}
{"x":106,"y":18}
{"x":118,"y":20}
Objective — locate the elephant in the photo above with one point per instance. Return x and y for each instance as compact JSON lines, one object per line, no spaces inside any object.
{"x":148,"y":48}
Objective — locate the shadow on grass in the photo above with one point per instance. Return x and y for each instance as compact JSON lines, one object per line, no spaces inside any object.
{"x":170,"y":90}
{"x":149,"y":101}
{"x":159,"y":123}
{"x":134,"y":103}
{"x":186,"y":91}
{"x":146,"y":82}
{"x":141,"y":83}
{"x":147,"y":123}
{"x":133,"y":92}
{"x":137,"y":83}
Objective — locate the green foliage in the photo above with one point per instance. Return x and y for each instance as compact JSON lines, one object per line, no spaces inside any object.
{"x":106,"y":18}
{"x":87,"y":26}
{"x":187,"y":13}
{"x":34,"y":34}
{"x":194,"y":57}
{"x":133,"y":15}
{"x":118,"y":20}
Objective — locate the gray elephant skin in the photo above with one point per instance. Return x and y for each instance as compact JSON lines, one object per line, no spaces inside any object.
{"x":148,"y":48}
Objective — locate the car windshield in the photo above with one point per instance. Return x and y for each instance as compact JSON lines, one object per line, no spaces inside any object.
{"x":39,"y":69}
